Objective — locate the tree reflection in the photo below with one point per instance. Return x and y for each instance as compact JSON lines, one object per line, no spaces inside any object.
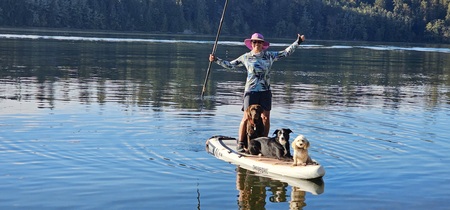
{"x":160,"y":75}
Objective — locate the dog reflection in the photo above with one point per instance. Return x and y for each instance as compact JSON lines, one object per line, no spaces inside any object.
{"x":253,"y":191}
{"x":297,"y":199}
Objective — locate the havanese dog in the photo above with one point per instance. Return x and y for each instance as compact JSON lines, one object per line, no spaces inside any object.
{"x":301,"y":156}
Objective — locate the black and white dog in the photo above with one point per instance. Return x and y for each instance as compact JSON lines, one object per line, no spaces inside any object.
{"x":275,"y":147}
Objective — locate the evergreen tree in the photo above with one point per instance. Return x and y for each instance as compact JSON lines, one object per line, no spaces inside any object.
{"x":368,"y":20}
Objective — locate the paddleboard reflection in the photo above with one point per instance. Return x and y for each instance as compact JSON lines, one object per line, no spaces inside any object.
{"x":254,"y":190}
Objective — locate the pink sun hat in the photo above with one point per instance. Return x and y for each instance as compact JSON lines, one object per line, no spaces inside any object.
{"x":259,"y":37}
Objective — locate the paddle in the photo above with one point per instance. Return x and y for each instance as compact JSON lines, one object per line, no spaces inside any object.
{"x":214,"y":49}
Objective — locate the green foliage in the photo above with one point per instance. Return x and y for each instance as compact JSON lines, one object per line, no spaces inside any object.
{"x":367,"y":20}
{"x":437,"y":30}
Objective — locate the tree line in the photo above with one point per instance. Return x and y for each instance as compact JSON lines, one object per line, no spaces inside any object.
{"x":365,"y":20}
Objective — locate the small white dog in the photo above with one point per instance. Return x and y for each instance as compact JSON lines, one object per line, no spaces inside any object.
{"x":301,"y":156}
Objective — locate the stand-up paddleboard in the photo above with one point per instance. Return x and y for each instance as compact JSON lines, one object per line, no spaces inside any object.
{"x":224,"y":148}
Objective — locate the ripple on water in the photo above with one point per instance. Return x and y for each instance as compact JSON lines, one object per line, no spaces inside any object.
{"x":351,"y":139}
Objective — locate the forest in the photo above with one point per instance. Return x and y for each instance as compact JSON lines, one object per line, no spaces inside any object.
{"x":363,"y":20}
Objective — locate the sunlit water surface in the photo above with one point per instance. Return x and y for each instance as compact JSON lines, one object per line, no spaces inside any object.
{"x":96,"y":121}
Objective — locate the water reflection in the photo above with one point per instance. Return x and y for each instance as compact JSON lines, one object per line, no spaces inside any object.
{"x":152,"y":73}
{"x":368,"y":112}
{"x":252,"y":192}
{"x":255,"y":191}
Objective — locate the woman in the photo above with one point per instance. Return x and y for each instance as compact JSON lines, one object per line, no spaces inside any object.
{"x":257,"y":87}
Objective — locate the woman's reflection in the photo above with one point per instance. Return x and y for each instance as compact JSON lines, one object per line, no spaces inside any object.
{"x":253,"y":191}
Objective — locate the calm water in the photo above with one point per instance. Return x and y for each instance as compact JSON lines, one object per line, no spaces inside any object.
{"x":114,"y":121}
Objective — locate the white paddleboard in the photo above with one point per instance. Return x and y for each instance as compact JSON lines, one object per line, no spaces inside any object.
{"x":224,"y":148}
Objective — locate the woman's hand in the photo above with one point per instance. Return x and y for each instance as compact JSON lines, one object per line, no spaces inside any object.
{"x":300,"y":38}
{"x":212,"y":58}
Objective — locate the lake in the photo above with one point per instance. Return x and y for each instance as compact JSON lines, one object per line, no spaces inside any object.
{"x":115,"y":121}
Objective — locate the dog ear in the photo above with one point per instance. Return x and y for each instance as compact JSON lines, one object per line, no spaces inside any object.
{"x":248,"y":112}
{"x":294,"y":145}
{"x":276,"y":131}
{"x":260,"y":109}
{"x":289,"y":130}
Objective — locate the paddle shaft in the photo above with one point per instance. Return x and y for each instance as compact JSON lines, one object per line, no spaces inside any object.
{"x":208,"y":72}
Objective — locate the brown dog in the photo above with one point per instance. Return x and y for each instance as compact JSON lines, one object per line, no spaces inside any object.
{"x":255,"y":127}
{"x":301,"y":156}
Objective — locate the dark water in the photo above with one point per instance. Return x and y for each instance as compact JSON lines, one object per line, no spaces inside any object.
{"x":114,"y":121}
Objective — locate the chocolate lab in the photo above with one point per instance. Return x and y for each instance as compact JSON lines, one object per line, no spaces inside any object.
{"x":255,"y":127}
